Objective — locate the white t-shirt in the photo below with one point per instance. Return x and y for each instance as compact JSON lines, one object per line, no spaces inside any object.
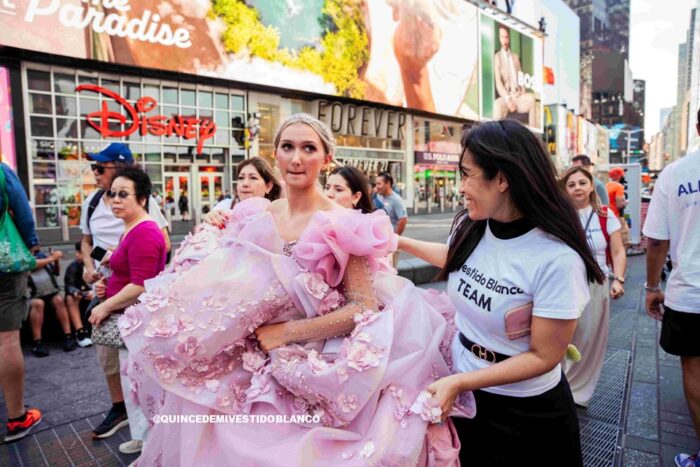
{"x":674,"y":214}
{"x":105,"y":228}
{"x":501,"y":275}
{"x":594,"y":234}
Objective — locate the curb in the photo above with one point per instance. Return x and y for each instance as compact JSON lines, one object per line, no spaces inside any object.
{"x":417,"y":271}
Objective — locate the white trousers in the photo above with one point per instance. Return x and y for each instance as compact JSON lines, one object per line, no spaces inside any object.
{"x":138,"y":425}
{"x":591,"y":338}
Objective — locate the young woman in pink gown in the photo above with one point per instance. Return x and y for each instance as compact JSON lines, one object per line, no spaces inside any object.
{"x":292,"y":309}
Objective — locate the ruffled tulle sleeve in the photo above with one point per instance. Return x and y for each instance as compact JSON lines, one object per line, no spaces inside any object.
{"x":332,"y":237}
{"x":242,"y":212}
{"x":205,"y":238}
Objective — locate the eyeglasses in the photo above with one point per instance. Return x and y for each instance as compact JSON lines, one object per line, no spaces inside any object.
{"x":100,"y":169}
{"x":121,"y":194}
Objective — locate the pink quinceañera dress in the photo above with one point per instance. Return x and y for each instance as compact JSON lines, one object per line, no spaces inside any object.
{"x":193,"y":351}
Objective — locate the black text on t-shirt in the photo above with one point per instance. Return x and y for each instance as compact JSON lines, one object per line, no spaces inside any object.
{"x":469,"y":290}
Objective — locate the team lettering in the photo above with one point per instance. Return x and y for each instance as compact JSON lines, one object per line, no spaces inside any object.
{"x":474,"y":295}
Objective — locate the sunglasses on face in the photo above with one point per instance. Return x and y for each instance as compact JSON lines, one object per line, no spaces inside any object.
{"x":100,"y":169}
{"x":121,"y":194}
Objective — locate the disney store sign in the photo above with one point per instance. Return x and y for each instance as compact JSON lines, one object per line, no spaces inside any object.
{"x":110,"y":17}
{"x":104,"y":120}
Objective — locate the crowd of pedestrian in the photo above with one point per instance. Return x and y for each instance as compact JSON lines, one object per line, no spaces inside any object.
{"x":531,"y":265}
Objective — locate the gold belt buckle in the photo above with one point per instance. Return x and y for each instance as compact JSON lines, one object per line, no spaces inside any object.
{"x":483,"y":353}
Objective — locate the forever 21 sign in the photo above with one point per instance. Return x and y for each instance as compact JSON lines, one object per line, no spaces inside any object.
{"x":352,"y":120}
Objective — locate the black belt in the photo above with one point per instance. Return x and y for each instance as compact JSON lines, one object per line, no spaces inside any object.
{"x":482,"y":352}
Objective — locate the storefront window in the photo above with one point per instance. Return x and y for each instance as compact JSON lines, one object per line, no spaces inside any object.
{"x":132,"y":91}
{"x":59,"y":137}
{"x":111,"y":85}
{"x":41,"y":126}
{"x":187,"y":97}
{"x":237,"y":103}
{"x":221,"y":100}
{"x":40,"y":103}
{"x":67,"y":150}
{"x":84,"y":79}
{"x":67,"y":106}
{"x":269,"y":121}
{"x":437,"y":151}
{"x":205,"y":99}
{"x":169,"y":96}
{"x":39,"y":81}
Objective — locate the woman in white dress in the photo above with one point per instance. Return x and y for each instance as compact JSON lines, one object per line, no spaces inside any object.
{"x":602,"y":231}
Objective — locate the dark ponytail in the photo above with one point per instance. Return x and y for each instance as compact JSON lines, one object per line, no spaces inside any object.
{"x":357,"y":183}
{"x":508,"y":147}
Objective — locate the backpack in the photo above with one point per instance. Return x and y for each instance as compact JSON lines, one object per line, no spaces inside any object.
{"x":603,"y":218}
{"x":42,"y":283}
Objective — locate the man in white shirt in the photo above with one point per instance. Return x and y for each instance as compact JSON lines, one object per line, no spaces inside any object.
{"x":102,"y":229}
{"x":673,"y":223}
{"x":512,"y":97}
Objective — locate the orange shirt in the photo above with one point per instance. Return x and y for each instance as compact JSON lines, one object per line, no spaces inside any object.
{"x":614,"y":190}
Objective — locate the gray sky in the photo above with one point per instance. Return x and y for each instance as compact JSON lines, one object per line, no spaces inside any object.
{"x":656,"y":29}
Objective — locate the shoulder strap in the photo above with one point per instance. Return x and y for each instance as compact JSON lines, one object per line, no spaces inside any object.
{"x":93,"y":204}
{"x":603,"y":217}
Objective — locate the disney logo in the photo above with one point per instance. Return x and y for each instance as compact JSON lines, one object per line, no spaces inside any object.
{"x":187,"y":127}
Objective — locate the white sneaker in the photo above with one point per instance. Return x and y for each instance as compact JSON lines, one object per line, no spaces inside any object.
{"x":131,"y":447}
{"x":85,"y":342}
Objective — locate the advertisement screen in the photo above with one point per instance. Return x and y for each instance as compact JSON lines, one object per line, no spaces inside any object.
{"x":511,"y":74}
{"x":412,"y":53}
{"x":561,"y":45}
{"x":7,"y":133}
{"x":619,"y":133}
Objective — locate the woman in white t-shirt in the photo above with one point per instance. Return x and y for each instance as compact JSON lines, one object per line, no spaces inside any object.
{"x":517,"y":268}
{"x":602,"y":229}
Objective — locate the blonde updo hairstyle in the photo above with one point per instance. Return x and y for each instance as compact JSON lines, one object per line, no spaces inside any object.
{"x":324,"y":133}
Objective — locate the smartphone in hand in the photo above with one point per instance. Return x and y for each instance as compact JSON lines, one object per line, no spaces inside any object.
{"x":98,"y":253}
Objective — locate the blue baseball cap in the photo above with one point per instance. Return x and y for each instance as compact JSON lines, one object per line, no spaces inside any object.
{"x":112,"y":153}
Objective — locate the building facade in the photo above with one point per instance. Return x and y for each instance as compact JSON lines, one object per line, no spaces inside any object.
{"x":194,"y":89}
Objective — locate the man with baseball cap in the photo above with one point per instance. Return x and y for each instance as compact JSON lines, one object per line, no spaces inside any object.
{"x":102,"y":229}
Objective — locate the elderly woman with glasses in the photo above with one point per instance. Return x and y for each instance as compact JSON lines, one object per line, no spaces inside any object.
{"x":139,"y":256}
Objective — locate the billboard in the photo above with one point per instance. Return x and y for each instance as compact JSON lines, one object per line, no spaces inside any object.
{"x":7,"y":130}
{"x":511,"y":73}
{"x":619,"y":133}
{"x":417,"y":54}
{"x":561,"y":45}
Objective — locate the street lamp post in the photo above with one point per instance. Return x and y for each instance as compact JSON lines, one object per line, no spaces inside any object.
{"x":629,"y":134}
